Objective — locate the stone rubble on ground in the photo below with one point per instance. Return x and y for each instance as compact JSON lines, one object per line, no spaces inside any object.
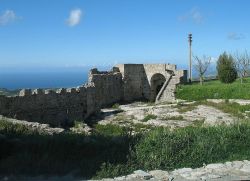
{"x":236,"y":170}
{"x":167,"y":115}
{"x":83,"y":128}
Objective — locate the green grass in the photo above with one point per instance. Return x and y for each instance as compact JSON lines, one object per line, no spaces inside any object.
{"x":110,"y":130}
{"x":26,"y":152}
{"x":148,"y":117}
{"x":182,"y":108}
{"x":214,"y":90}
{"x":186,"y":147}
{"x":234,"y":109}
{"x":191,"y":147}
{"x":112,"y":151}
{"x":180,"y":117}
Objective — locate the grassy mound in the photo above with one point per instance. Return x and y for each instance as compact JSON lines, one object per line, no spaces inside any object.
{"x":214,"y":90}
{"x":113,"y":151}
{"x":186,"y":147}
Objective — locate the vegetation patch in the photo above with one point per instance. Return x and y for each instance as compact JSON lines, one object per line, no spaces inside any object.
{"x":113,"y":151}
{"x":185,"y":147}
{"x":116,"y":106}
{"x":234,"y":109}
{"x":148,"y":117}
{"x":214,"y":90}
{"x":180,"y":117}
{"x":182,"y":108}
{"x":110,"y":130}
{"x":139,"y":127}
{"x":27,"y":152}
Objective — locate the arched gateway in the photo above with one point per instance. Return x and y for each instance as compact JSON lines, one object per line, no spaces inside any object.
{"x":151,"y":81}
{"x":156,"y":84}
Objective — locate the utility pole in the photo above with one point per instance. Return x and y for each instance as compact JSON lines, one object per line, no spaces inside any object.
{"x":190,"y":57}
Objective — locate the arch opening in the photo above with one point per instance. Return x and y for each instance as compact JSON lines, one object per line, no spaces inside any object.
{"x":157,"y":82}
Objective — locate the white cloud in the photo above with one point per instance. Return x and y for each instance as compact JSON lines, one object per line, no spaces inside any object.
{"x":74,"y":17}
{"x":193,"y":15}
{"x":236,"y":36}
{"x":7,"y":17}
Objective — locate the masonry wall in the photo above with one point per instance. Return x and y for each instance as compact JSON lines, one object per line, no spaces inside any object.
{"x":137,"y":79}
{"x":108,"y":86}
{"x":59,"y":108}
{"x":63,"y":107}
{"x":134,"y":79}
{"x":126,"y":82}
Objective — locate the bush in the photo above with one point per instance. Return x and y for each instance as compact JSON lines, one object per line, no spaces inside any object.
{"x":226,"y":69}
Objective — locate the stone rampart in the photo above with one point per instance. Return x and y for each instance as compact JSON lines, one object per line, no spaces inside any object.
{"x":108,"y":86}
{"x":126,"y":82}
{"x":59,"y":108}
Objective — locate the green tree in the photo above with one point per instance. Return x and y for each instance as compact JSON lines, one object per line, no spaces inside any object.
{"x":226,"y":69}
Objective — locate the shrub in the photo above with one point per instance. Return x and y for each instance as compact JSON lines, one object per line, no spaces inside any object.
{"x":226,"y":69}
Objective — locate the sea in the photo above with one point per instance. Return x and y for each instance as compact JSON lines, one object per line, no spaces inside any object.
{"x":20,"y":80}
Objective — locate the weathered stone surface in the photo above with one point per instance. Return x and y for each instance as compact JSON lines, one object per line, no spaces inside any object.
{"x":159,"y":174}
{"x":142,"y":174}
{"x":214,"y":172}
{"x":166,"y":115}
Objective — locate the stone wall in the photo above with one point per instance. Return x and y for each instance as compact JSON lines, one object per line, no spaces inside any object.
{"x":126,"y":82}
{"x":138,"y":80}
{"x":59,"y":108}
{"x":108,"y":86}
{"x":134,"y":79}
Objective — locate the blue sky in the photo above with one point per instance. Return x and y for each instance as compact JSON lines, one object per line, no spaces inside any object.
{"x":46,"y":34}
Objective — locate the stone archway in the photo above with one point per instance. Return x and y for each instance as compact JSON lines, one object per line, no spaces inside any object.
{"x":156,"y":82}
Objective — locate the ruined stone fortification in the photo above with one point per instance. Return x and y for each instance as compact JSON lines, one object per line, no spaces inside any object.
{"x":125,"y":82}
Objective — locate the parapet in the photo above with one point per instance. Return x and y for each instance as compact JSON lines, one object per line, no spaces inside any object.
{"x":61,"y":91}
{"x":25,"y":92}
{"x":96,"y":71}
{"x":37,"y":92}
